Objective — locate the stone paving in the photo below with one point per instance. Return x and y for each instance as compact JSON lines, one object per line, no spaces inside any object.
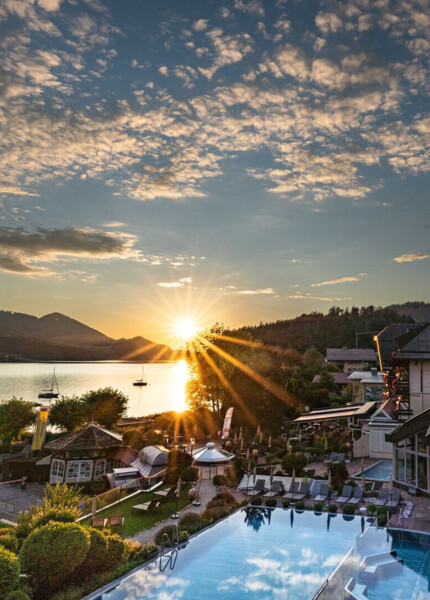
{"x":13,"y":498}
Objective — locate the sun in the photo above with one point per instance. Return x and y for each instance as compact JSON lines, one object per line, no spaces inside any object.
{"x":185,"y":328}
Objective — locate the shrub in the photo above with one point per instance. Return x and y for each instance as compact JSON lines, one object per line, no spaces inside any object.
{"x":183,"y":537}
{"x":371,"y":509}
{"x":318,"y":507}
{"x":43,"y":515}
{"x":300,"y":505}
{"x":62,"y":495}
{"x":295,"y":462}
{"x":56,"y":549}
{"x":191,"y":522}
{"x":226,"y":497}
{"x":382,"y":520}
{"x":10,"y":542}
{"x":9,"y":571}
{"x":17,"y":595}
{"x":348,"y":509}
{"x":70,"y":593}
{"x":257,"y":501}
{"x":170,"y":530}
{"x":332,"y":508}
{"x":219,"y":480}
{"x":214,"y":503}
{"x":144,"y":552}
{"x":133,"y":438}
{"x":271,"y":502}
{"x":190,"y":474}
{"x":95,"y":559}
{"x":211,"y":515}
{"x":285,"y":503}
{"x":231,"y":476}
{"x":116,"y":551}
{"x":382,"y":510}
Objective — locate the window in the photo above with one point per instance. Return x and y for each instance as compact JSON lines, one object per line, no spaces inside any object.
{"x":57,"y":471}
{"x":79,"y":471}
{"x":422,"y":444}
{"x":410,"y":469}
{"x":100,"y":468}
{"x":400,"y":465}
{"x":422,"y":472}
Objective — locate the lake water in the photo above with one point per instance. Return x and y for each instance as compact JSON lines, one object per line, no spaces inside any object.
{"x":165,"y":390}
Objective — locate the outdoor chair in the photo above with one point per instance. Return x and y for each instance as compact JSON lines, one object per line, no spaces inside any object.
{"x":293,"y":490}
{"x":98,"y":522}
{"x":369,"y":486}
{"x":345,"y":495}
{"x":165,"y":493}
{"x":332,"y":458}
{"x":323,"y":493}
{"x":146,"y":506}
{"x":357,"y":495}
{"x":395,"y":498}
{"x":259,"y":487}
{"x":340,"y":458}
{"x":382,"y":497}
{"x":274,"y":490}
{"x":116,"y":520}
{"x":303,"y":491}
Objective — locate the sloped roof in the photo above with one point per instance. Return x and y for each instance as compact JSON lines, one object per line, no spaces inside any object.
{"x":338,"y":412}
{"x":91,"y":437}
{"x":211,"y":455}
{"x":416,"y":424}
{"x":392,"y":339}
{"x":351,"y":354}
{"x":418,"y":347}
{"x":339,"y":378}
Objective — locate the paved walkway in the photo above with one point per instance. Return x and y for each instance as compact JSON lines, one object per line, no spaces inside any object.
{"x":206,"y":492}
{"x":13,"y":498}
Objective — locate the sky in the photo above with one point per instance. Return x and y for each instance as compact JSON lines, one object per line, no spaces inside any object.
{"x":232,"y":161}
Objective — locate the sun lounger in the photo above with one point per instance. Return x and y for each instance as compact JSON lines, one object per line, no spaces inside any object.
{"x":165,"y":493}
{"x":345,"y":495}
{"x":274,"y":490}
{"x":357,"y":495}
{"x":340,"y":458}
{"x":146,"y":506}
{"x":395,"y":498}
{"x":331,"y":458}
{"x":303,"y":491}
{"x":293,"y":490}
{"x":98,"y":522}
{"x":382,"y":497}
{"x":323,"y":493}
{"x":116,"y":520}
{"x":259,"y":487}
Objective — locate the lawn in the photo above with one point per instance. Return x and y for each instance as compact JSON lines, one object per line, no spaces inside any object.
{"x":135,"y":521}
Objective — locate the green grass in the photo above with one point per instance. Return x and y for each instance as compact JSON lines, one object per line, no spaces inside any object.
{"x":135,"y":521}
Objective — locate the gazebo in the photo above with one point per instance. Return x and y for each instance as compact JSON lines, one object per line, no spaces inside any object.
{"x":210,"y":456}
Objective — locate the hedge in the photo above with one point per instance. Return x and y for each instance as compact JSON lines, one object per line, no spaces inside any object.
{"x":348,"y":509}
{"x":52,"y":553}
{"x":9,"y":571}
{"x":17,"y":595}
{"x":271,"y":502}
{"x":10,"y":542}
{"x":95,"y":559}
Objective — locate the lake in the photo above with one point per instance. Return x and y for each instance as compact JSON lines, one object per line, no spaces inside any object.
{"x":165,"y":390}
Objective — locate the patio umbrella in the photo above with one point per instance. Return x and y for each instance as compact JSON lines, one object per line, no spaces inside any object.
{"x":94,"y":506}
{"x":363,"y":475}
{"x":325,"y":442}
{"x":258,"y":430}
{"x":293,"y":478}
{"x":261,"y":436}
{"x":178,"y":487}
{"x":247,"y":454}
{"x":271,"y":476}
{"x":241,"y":442}
{"x":291,"y":517}
{"x":248,"y":475}
{"x":329,"y":482}
{"x":254,"y":474}
{"x":270,"y":441}
{"x":240,"y":433}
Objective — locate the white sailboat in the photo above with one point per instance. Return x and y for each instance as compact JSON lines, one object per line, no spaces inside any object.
{"x":50,"y":393}
{"x":140,"y":382}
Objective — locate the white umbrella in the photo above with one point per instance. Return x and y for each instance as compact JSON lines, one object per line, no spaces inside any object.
{"x":325,"y":442}
{"x":178,"y":488}
{"x":270,"y":441}
{"x":272,"y":470}
{"x":254,"y":474}
{"x":293,"y":478}
{"x":247,"y":454}
{"x":241,"y":443}
{"x":363,"y":475}
{"x":240,"y":433}
{"x":258,"y":430}
{"x":261,"y":436}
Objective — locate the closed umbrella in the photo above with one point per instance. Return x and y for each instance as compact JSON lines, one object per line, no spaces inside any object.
{"x":258,"y":430}
{"x":293,"y":479}
{"x":248,"y":475}
{"x":241,"y":443}
{"x":329,"y":482}
{"x":270,"y":441}
{"x":325,"y":442}
{"x":94,"y":507}
{"x":240,"y":433}
{"x":363,"y":475}
{"x":261,"y":436}
{"x":255,"y":474}
{"x":247,"y":454}
{"x":271,"y":477}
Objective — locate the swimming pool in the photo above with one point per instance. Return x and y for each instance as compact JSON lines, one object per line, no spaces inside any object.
{"x":260,"y":553}
{"x":380,"y":471}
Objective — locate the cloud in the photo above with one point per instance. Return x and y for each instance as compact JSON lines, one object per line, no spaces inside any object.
{"x":113,"y":224}
{"x":232,"y":289}
{"x":336,"y":281}
{"x":252,"y":7}
{"x":200,"y":25}
{"x":184,"y":282}
{"x":406,"y":258}
{"x":320,"y":298}
{"x":22,"y":251}
{"x":229,"y":49}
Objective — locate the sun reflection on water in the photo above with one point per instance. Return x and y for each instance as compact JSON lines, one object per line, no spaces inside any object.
{"x":181,"y":376}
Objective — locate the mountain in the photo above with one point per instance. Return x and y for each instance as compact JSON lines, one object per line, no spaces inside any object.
{"x":58,"y":337}
{"x":419,"y":311}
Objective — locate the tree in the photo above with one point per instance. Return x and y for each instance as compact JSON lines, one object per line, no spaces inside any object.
{"x":52,"y":553}
{"x":15,"y":416}
{"x":68,"y":414}
{"x":105,"y":406}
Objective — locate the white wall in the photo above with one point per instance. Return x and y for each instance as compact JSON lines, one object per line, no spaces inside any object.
{"x":419,"y":385}
{"x":378,"y":447}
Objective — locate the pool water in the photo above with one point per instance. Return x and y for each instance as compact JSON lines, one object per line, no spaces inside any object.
{"x":260,"y":554}
{"x":380,"y":471}
{"x":414,"y":582}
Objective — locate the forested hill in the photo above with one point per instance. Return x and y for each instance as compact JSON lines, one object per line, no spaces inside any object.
{"x":419,"y":311}
{"x":336,"y":329}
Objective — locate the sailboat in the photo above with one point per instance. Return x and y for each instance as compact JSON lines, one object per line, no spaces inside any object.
{"x":140,"y":382}
{"x":50,"y":392}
